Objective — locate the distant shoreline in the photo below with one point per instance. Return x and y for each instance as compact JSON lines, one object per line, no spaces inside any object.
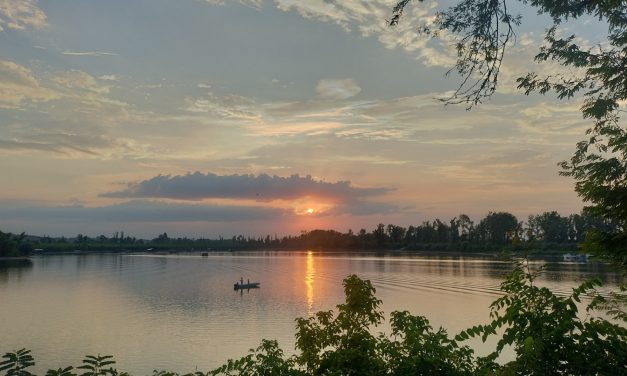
{"x":548,"y":255}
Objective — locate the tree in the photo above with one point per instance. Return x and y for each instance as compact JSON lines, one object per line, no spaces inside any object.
{"x":379,"y":235}
{"x":467,"y":226}
{"x":499,"y":227}
{"x":162,"y":238}
{"x":485,"y":29}
{"x":551,"y":226}
{"x":14,"y":245}
{"x":548,"y":333}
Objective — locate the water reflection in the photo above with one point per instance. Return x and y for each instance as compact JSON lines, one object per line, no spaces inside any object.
{"x":309,"y":281}
{"x":177,"y":311}
{"x":14,"y":268}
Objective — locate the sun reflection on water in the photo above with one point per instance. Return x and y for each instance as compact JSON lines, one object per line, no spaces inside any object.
{"x":309,"y":281}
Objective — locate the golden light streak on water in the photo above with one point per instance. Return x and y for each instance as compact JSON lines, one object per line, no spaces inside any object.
{"x":309,"y":281}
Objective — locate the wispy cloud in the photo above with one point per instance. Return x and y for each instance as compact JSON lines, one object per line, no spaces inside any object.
{"x":257,"y":4}
{"x":72,"y":145}
{"x":88,"y":53}
{"x":109,"y":77}
{"x":18,"y":84}
{"x":337,"y":89}
{"x":63,"y":148}
{"x":263,"y":187}
{"x":76,"y":79}
{"x":229,"y":106}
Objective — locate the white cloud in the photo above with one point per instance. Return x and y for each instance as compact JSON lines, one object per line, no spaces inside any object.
{"x":88,"y":53}
{"x":76,"y":79}
{"x":228,"y":106}
{"x":109,"y":77}
{"x":18,"y":84}
{"x":369,"y":17}
{"x":20,"y":14}
{"x":337,"y":89}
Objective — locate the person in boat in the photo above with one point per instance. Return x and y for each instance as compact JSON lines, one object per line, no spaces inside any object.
{"x":241,"y":280}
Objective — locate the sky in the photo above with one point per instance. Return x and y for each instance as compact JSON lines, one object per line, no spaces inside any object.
{"x":204,"y":118}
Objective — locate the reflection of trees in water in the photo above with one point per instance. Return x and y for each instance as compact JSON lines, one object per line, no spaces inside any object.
{"x":582,"y":271}
{"x":14,"y":267}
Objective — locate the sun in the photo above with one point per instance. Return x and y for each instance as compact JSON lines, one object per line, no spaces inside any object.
{"x":310,"y":211}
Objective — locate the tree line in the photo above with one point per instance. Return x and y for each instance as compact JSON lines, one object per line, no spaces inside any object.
{"x":497,"y":230}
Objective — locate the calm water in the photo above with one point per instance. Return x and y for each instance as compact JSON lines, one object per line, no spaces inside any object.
{"x":179,"y":312}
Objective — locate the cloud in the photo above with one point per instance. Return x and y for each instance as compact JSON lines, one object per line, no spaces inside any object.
{"x":229,"y":106}
{"x":68,"y":145}
{"x":198,"y":186}
{"x":144,"y":211}
{"x":88,"y":53}
{"x":20,"y":14}
{"x":369,"y":17}
{"x":76,"y":79}
{"x":109,"y":77}
{"x":337,"y":89}
{"x":15,"y":145}
{"x":18,"y":84}
{"x":257,"y":4}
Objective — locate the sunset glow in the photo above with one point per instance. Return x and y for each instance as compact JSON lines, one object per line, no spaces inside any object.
{"x":309,"y":282}
{"x":147,"y":134}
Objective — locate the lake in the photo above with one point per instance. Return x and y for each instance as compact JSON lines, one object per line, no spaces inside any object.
{"x":180,"y":312}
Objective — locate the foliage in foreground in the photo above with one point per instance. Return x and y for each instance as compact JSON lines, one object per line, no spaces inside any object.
{"x":546,"y":332}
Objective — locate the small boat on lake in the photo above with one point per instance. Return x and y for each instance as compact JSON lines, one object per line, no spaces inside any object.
{"x":245,"y":286}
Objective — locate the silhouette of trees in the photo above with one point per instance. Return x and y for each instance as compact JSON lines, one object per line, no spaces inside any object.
{"x":12,"y":245}
{"x":548,"y":231}
{"x":551,"y":226}
{"x":500,"y":227}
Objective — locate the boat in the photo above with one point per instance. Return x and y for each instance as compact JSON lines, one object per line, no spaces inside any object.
{"x":575,"y":257}
{"x":204,"y":254}
{"x":246,"y":286}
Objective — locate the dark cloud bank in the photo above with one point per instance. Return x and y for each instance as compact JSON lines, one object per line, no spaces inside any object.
{"x":145,"y":211}
{"x":198,"y":186}
{"x":145,"y":200}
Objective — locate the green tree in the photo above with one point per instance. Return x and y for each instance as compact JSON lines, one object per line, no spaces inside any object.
{"x":485,"y":29}
{"x":548,"y":333}
{"x":14,"y":245}
{"x":343,"y":344}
